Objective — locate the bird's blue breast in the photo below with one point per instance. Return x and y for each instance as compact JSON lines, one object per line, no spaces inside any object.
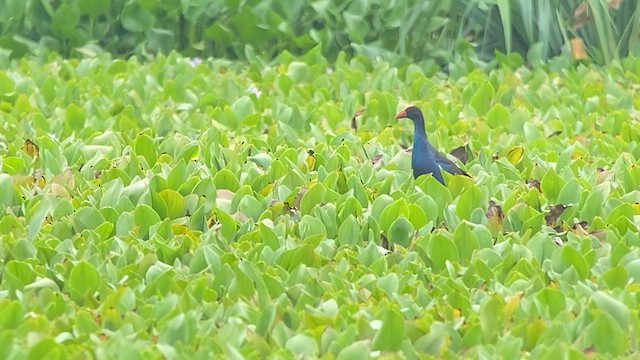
{"x":423,"y":159}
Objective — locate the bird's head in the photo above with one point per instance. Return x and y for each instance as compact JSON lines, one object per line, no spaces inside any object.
{"x":411,"y":112}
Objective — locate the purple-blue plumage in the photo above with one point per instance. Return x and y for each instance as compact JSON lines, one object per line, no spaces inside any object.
{"x":425,"y":159}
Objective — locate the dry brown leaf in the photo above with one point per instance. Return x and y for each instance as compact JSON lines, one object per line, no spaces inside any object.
{"x":298,"y":198}
{"x":495,"y":216}
{"x":225,"y":194}
{"x":31,"y":148}
{"x":354,"y":124}
{"x":581,"y":15}
{"x":65,"y":178}
{"x":533,"y":183}
{"x":461,"y":153}
{"x":554,"y":214}
{"x":376,"y":161}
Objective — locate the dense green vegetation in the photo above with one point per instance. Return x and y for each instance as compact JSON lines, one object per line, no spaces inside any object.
{"x":437,"y":32}
{"x":167,"y":209}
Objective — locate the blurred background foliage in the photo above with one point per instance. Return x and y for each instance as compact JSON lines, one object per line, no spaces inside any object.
{"x":437,"y":32}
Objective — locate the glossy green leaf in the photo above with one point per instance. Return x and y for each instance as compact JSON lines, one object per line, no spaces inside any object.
{"x":442,"y":249}
{"x":605,"y":335}
{"x":311,"y":198}
{"x":567,"y":257}
{"x":468,"y":201}
{"x":551,"y":185}
{"x":175,"y":203}
{"x":400,"y":231}
{"x":84,"y":279}
{"x":145,"y":147}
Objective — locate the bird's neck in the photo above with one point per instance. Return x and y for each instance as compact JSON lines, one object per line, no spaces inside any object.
{"x":420,"y":136}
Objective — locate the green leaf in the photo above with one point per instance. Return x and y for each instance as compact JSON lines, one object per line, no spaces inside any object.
{"x":606,"y":336}
{"x":64,"y":23}
{"x":400,"y":231}
{"x":567,"y":257}
{"x":438,"y":192}
{"x":144,"y":145}
{"x":551,"y":185}
{"x":468,"y":201}
{"x":229,"y":226}
{"x":113,"y":191}
{"x":492,"y":316}
{"x":312,"y":197}
{"x":87,"y":218}
{"x":76,"y":117}
{"x":136,"y":19}
{"x":570,"y":192}
{"x":251,"y":207}
{"x":505,"y":15}
{"x":19,"y":274}
{"x":465,"y":241}
{"x":84,"y":280}
{"x":7,"y":192}
{"x":623,"y":210}
{"x":178,"y":177}
{"x":442,"y":249}
{"x":497,"y":116}
{"x":613,"y":307}
{"x":7,"y":85}
{"x":94,"y":7}
{"x":379,"y":205}
{"x":35,"y":221}
{"x":357,"y":350}
{"x":243,"y":107}
{"x":175,"y":203}
{"x":145,"y":217}
{"x":391,"y":333}
{"x":615,"y":277}
{"x":592,"y":206}
{"x":11,"y":315}
{"x":392,"y":212}
{"x":349,"y":207}
{"x":553,"y":300}
{"x":225,"y":179}
{"x":348,"y":232}
{"x":417,"y":216}
{"x":311,"y":226}
{"x":302,"y":345}
{"x":46,"y":347}
{"x":481,"y":100}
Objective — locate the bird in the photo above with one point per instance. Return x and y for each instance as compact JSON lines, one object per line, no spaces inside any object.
{"x":425,"y":159}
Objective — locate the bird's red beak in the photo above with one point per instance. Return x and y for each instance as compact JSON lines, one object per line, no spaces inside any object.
{"x":401,"y":115}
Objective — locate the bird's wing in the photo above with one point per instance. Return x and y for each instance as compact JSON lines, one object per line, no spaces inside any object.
{"x":448,"y":165}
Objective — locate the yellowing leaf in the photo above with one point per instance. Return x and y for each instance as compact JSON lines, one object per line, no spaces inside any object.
{"x":512,"y":303}
{"x":165,"y":159}
{"x":60,"y":191}
{"x":179,"y":229}
{"x":309,"y":163}
{"x":31,"y":148}
{"x":514,"y":154}
{"x":22,"y":180}
{"x":266,"y":190}
{"x":40,"y":181}
{"x":65,"y":178}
